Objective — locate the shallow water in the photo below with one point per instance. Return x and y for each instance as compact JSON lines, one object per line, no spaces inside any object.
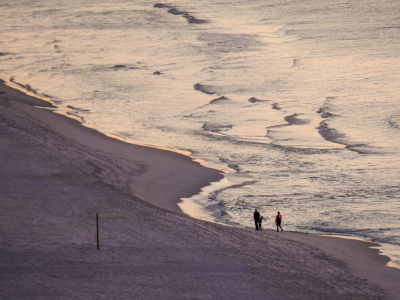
{"x":298,"y":99}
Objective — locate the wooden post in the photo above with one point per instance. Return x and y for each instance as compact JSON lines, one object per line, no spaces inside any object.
{"x":97,"y":226}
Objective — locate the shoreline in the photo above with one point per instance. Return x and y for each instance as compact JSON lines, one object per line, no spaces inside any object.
{"x":363,"y":257}
{"x":181,"y":172}
{"x":172,"y":176}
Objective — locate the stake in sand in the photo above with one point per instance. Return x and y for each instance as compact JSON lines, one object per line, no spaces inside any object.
{"x":97,"y":227}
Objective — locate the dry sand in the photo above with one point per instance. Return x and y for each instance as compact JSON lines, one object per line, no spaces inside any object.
{"x":55,"y":175}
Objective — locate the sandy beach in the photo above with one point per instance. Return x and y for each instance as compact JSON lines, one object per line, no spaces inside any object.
{"x":57,"y":174}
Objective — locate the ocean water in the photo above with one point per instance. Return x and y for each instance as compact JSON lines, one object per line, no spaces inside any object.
{"x":297,"y":101}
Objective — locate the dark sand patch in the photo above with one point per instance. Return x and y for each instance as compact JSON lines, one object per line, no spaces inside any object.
{"x":276,"y":106}
{"x":215,"y":127}
{"x":219,"y":100}
{"x":173,"y":10}
{"x":293,"y":120}
{"x":255,"y":100}
{"x":206,"y":89}
{"x":334,"y":136}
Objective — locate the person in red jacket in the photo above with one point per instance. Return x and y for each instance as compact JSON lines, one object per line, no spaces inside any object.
{"x":278,"y":221}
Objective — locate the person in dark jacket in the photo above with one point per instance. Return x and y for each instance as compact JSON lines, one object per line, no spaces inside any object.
{"x":256,"y":218}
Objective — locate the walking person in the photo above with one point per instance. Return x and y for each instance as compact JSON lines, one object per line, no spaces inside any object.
{"x":256,"y":218}
{"x":278,"y":221}
{"x":260,"y":223}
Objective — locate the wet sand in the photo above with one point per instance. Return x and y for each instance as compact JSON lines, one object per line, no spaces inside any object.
{"x":56,"y":175}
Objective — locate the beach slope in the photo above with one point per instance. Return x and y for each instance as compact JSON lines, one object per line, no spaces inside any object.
{"x":52,"y":185}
